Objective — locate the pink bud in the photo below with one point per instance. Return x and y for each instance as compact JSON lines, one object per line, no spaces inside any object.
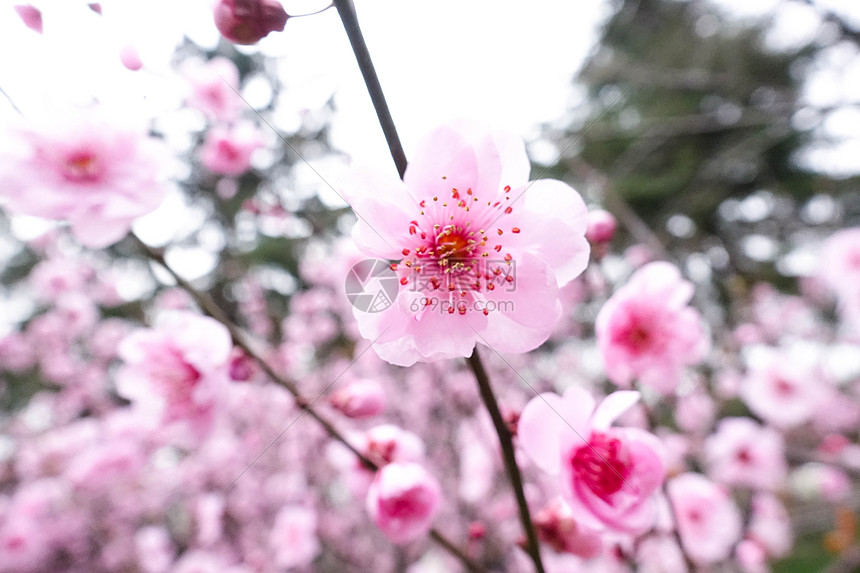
{"x":95,"y":7}
{"x":249,"y":21}
{"x":556,"y":527}
{"x":360,"y":399}
{"x":403,"y":500}
{"x":130,"y":58}
{"x":31,"y":17}
{"x":601,"y":226}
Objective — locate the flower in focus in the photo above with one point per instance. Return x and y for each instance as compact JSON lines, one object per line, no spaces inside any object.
{"x":177,"y":370}
{"x":403,"y":501}
{"x":92,"y":169}
{"x":228,"y":150}
{"x":707,"y":519}
{"x":481,"y":251}
{"x":646,"y":331}
{"x":608,"y":475}
{"x":249,"y":21}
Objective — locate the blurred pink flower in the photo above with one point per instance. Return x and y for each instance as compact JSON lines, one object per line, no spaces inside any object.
{"x":177,"y":370}
{"x":557,"y":528}
{"x":770,"y":525}
{"x":482,"y":252}
{"x":249,"y":21}
{"x":744,"y":453}
{"x":360,"y":399}
{"x":293,"y":538}
{"x":90,"y":168}
{"x":783,"y":387}
{"x":228,"y":150}
{"x":31,"y":16}
{"x":403,"y":501}
{"x":608,"y":475}
{"x":213,"y":87}
{"x":601,"y":226}
{"x":646,"y":331}
{"x":707,"y":519}
{"x":130,"y":57}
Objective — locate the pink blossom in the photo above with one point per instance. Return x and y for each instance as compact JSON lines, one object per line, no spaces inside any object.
{"x":751,"y":557}
{"x":154,"y":549}
{"x":608,"y":475}
{"x":839,"y":263}
{"x":197,"y":561}
{"x":557,"y":528}
{"x":707,"y":519}
{"x":31,"y":16}
{"x":601,"y":226}
{"x":744,"y":453}
{"x":360,"y":399}
{"x":228,"y":150}
{"x":660,"y":554}
{"x":482,"y":252}
{"x":770,"y":526}
{"x":177,"y":370}
{"x":23,"y":545}
{"x":783,"y":388}
{"x":646,"y":331}
{"x":213,"y":88}
{"x":130,"y":57}
{"x":293,"y":538}
{"x":89,"y":168}
{"x":403,"y":501}
{"x":249,"y":21}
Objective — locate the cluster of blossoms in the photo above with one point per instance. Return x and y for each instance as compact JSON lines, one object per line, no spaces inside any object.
{"x":154,"y":444}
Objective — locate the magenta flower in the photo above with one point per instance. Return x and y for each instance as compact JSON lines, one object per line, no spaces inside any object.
{"x":91,"y":170}
{"x":646,"y":331}
{"x":480,"y":251}
{"x":403,"y":500}
{"x":608,"y":475}
{"x":228,"y":150}
{"x":249,"y":21}
{"x":176,"y":371}
{"x":707,"y":519}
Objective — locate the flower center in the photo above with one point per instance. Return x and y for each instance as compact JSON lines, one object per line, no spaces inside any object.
{"x":82,"y":166}
{"x":602,"y":464}
{"x":457,"y":249}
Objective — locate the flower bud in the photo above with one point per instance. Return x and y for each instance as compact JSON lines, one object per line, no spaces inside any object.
{"x":601,"y":226}
{"x":360,"y":399}
{"x":31,"y":17}
{"x":403,"y":500}
{"x":249,"y":21}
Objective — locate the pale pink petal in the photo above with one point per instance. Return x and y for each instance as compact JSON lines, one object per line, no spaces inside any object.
{"x":612,"y":407}
{"x":444,"y":160}
{"x":539,"y":431}
{"x":384,"y":207}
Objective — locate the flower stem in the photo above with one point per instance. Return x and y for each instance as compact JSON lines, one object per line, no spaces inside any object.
{"x":350,"y":23}
{"x":320,"y":11}
{"x":508,"y":456}
{"x":208,"y":306}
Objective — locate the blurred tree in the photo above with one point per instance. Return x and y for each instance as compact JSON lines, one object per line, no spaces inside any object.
{"x":689,"y":111}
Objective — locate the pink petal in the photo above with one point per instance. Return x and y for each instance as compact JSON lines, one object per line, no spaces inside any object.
{"x":444,"y":160}
{"x":31,"y":17}
{"x":539,"y":431}
{"x":551,"y":220}
{"x":384,"y":207}
{"x":612,"y":407}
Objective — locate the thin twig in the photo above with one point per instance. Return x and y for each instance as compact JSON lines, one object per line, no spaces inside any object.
{"x":508,"y":456}
{"x":371,"y":80}
{"x":208,"y":306}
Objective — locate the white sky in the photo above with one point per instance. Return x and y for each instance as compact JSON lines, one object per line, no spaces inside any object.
{"x":508,"y":63}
